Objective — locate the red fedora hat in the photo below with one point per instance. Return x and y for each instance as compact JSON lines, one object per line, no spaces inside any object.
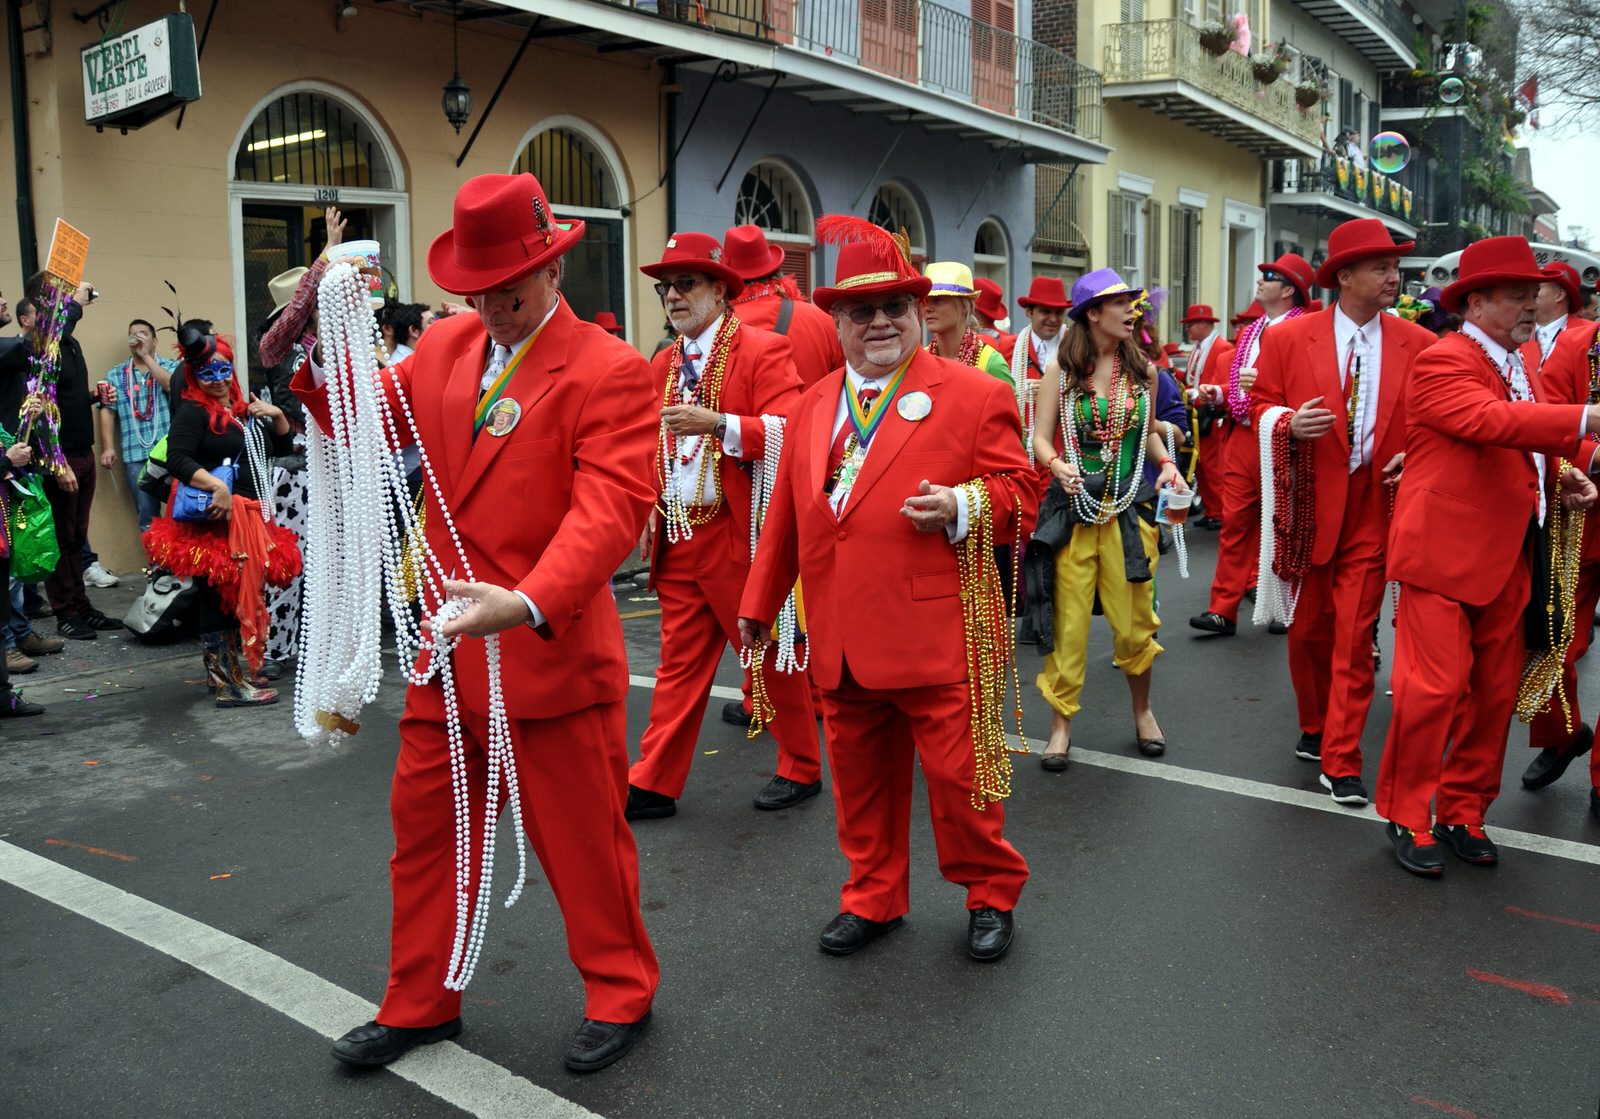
{"x":1047,"y":292}
{"x":1249,"y":314}
{"x":503,"y":230}
{"x":1198,"y":312}
{"x":606,"y":321}
{"x":872,"y":261}
{"x":745,"y":250}
{"x":694,"y":252}
{"x":1293,"y":268}
{"x":1490,"y":262}
{"x":1354,"y":241}
{"x":1566,"y":276}
{"x":991,"y":302}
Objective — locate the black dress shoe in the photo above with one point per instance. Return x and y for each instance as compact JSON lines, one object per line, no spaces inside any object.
{"x":13,"y":706}
{"x":1594,"y":804}
{"x":373,"y":1044}
{"x":848,"y":933}
{"x":1552,"y":761}
{"x":76,"y":629}
{"x":99,"y":621}
{"x":1469,"y":843}
{"x":1211,"y":523}
{"x":645,"y":805}
{"x":1277,"y":628}
{"x":989,"y":933}
{"x":598,"y":1044}
{"x":1418,"y":853}
{"x":1309,"y":748}
{"x":734,"y":713}
{"x":1344,"y":790}
{"x":1213,"y":622}
{"x":784,"y":793}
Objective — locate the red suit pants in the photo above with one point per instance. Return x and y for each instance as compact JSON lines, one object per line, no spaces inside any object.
{"x":699,"y":582}
{"x":874,"y":737}
{"x":1550,"y":727}
{"x":1330,"y":642}
{"x":1239,"y":542}
{"x":1456,"y":672}
{"x":571,"y":777}
{"x":1209,"y":477}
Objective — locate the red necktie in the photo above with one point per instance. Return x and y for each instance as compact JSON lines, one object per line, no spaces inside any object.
{"x":836,"y":456}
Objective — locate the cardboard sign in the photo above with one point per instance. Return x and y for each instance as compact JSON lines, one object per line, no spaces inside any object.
{"x":69,"y":249}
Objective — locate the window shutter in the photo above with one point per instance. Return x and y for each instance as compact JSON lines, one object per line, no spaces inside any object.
{"x":1178,"y":272}
{"x":797,"y":266}
{"x":1152,"y":244}
{"x":1114,"y":231}
{"x":1132,"y":11}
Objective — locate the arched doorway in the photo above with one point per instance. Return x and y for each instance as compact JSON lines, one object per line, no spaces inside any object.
{"x":303,"y":148}
{"x":895,"y":209}
{"x":582,"y":178}
{"x":771,"y":196}
{"x":991,"y":254}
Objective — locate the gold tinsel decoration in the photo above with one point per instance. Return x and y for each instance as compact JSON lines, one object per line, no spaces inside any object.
{"x":1542,"y":674}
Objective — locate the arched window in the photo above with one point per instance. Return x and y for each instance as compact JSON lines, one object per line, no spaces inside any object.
{"x":308,"y":146}
{"x":310,"y":137}
{"x":895,"y":209}
{"x":583,"y":179}
{"x":772,"y":197}
{"x":991,"y":257}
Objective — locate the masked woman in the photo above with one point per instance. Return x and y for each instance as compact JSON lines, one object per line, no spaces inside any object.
{"x":219,"y":451}
{"x":1095,"y":432}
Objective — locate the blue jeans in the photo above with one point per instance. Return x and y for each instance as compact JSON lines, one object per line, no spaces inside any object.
{"x":17,"y":625}
{"x":147,"y":507}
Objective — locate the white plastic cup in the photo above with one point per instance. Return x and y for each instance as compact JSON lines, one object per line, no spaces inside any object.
{"x":1172,"y":507}
{"x":371,"y":255}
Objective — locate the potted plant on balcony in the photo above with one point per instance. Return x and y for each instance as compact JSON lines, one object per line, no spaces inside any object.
{"x":1216,"y":37}
{"x":1269,"y":65}
{"x":1307,"y":93}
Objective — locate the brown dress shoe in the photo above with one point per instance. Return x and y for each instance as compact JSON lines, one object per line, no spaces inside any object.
{"x":38,"y":645}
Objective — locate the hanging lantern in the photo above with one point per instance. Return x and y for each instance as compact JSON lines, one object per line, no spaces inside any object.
{"x":457,"y":100}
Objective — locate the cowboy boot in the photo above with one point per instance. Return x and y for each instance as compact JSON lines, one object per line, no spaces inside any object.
{"x":243,"y":692}
{"x":214,"y":652}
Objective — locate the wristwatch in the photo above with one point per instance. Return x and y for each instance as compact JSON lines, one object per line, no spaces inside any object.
{"x":721,"y":430}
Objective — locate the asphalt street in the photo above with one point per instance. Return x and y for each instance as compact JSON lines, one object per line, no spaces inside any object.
{"x":192,"y":903}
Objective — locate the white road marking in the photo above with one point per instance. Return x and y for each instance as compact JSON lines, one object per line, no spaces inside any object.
{"x":457,"y":1076}
{"x":1261,"y":790}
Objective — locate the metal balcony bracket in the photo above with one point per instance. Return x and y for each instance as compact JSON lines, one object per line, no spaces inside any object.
{"x":755,"y":116}
{"x":533,"y":30}
{"x":882,"y":163}
{"x":726,"y":71}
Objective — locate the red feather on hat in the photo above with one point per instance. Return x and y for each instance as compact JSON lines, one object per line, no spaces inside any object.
{"x":839,"y":229}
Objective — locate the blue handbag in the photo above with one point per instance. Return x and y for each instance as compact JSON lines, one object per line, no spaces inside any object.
{"x":189,"y":503}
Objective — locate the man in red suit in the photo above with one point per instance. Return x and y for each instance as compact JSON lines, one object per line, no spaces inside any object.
{"x":1209,"y":360}
{"x":1344,"y":371}
{"x":1045,"y":304}
{"x":1481,"y":448}
{"x":1560,"y":297}
{"x":991,"y":311}
{"x":771,"y":301}
{"x":1565,"y":378}
{"x":1283,"y":292}
{"x":865,"y":513}
{"x":724,"y":381}
{"x":546,"y":501}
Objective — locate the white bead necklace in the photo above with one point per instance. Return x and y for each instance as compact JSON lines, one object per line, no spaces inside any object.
{"x":765,"y":477}
{"x":1179,"y":544}
{"x":362,"y":510}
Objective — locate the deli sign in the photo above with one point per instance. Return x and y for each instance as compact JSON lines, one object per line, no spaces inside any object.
{"x":135,"y":77}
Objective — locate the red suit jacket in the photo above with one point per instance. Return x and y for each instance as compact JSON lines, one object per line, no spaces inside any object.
{"x":811,"y":332}
{"x":1299,"y":361}
{"x":1530,"y":349}
{"x":876,"y":589}
{"x":758,"y":379}
{"x":1469,"y":488}
{"x":550,"y":509}
{"x":1218,"y":362}
{"x":1564,"y":379}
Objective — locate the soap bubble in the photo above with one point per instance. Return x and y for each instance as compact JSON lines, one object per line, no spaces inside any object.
{"x":1452,"y":90}
{"x":1390,"y":152}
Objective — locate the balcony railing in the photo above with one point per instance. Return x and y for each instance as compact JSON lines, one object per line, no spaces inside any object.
{"x":1388,"y":13}
{"x":926,"y":44}
{"x":1343,"y":178}
{"x":1170,"y":50}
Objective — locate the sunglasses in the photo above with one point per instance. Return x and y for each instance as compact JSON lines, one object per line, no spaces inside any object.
{"x":1273,"y":277}
{"x":213,"y":371}
{"x":683,"y":285}
{"x":894,"y":308}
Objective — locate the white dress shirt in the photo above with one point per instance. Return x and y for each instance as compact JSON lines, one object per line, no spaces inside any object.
{"x":1547,"y":334}
{"x":1045,"y":349}
{"x":1367,"y":341}
{"x":686,"y":474}
{"x":853,"y":384}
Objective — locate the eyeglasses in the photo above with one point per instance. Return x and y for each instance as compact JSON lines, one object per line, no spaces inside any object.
{"x":892,"y":308}
{"x":683,"y":285}
{"x":213,"y":371}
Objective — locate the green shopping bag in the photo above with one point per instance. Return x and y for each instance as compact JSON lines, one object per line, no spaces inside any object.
{"x":34,"y":552}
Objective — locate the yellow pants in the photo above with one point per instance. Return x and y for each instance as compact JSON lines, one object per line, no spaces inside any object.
{"x":1092,"y":561}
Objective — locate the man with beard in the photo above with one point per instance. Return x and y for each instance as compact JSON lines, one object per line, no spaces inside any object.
{"x":723,"y":382}
{"x":1481,"y":449}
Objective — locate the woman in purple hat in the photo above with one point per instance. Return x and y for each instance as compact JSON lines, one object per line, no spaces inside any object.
{"x":1097,"y":535}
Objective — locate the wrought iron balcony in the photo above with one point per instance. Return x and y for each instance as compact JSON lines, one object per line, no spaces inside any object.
{"x":1379,"y":29}
{"x":1161,"y":65}
{"x":1342,"y":187}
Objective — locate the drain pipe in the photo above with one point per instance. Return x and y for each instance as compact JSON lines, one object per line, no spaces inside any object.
{"x":27,"y":243}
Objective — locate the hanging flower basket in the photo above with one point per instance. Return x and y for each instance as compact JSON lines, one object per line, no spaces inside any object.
{"x":1307,"y":94}
{"x":1216,"y":38}
{"x":1266,"y":70}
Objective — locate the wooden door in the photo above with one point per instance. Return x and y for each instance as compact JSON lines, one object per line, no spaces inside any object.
{"x":889,"y":37}
{"x":994,"y":55}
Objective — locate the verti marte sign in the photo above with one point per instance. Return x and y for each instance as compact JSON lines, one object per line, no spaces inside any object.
{"x":132,"y":79}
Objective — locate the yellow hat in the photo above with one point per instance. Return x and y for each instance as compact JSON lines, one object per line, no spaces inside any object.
{"x":950,"y":279}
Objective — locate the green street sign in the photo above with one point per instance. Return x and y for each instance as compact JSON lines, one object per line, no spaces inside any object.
{"x":136,"y":77}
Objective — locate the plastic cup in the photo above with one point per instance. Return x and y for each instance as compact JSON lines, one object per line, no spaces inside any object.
{"x":1172,"y":507}
{"x":371,"y":255}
